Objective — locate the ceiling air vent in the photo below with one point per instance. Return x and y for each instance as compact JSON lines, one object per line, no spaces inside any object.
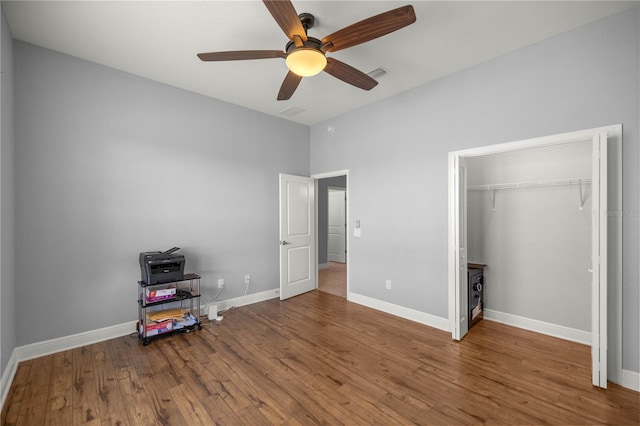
{"x":377,"y":73}
{"x":291,"y":111}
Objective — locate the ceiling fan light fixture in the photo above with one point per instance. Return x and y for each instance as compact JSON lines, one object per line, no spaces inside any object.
{"x":306,"y":61}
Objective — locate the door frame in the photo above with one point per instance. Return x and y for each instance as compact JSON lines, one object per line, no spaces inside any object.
{"x":613,"y":298}
{"x":325,"y":175}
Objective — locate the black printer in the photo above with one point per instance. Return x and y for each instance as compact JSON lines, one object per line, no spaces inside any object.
{"x":158,"y":267}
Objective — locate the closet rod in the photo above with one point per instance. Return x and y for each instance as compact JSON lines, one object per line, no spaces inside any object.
{"x":532,"y":184}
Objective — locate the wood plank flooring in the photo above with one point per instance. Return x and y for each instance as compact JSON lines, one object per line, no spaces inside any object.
{"x":334,"y":279}
{"x":318,"y":359}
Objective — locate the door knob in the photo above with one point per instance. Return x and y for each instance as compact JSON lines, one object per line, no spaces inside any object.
{"x":284,"y":243}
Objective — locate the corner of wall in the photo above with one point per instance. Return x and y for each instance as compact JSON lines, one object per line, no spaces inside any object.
{"x":7,"y":204}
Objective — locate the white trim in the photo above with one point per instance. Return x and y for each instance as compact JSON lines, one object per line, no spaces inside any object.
{"x":318,"y":176}
{"x":599,"y":246}
{"x":614,"y":344}
{"x":452,"y":253}
{"x":614,"y":311}
{"x":7,"y":378}
{"x":323,"y":266}
{"x":630,"y":380}
{"x":541,"y":327}
{"x":559,"y":139}
{"x":247,"y":300}
{"x":48,"y":347}
{"x":401,"y":311}
{"x":325,"y":175}
{"x":625,"y":378}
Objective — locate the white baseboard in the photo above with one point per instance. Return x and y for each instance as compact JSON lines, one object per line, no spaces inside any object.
{"x":248,"y":299}
{"x":541,"y":327}
{"x":35,"y":350}
{"x":48,"y":347}
{"x":401,"y":311}
{"x":323,"y":266}
{"x":7,"y":378}
{"x":625,"y":378}
{"x":630,"y":380}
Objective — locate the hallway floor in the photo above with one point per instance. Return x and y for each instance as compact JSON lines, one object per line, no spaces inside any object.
{"x":333,"y":279}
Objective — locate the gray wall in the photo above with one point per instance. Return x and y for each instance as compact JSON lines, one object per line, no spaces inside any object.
{"x":396,"y":154}
{"x":322,"y":200}
{"x":7,"y":201}
{"x":535,"y":241}
{"x":109,"y":165}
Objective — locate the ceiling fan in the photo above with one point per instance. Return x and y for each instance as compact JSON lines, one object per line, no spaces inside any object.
{"x":306,"y":56}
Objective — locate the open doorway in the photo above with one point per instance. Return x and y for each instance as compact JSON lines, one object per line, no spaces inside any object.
{"x":331,"y":192}
{"x":605,"y":246}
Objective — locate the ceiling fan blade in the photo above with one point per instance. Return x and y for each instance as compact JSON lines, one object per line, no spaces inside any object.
{"x":286,"y":16}
{"x":349,"y":74}
{"x":370,"y":28}
{"x":239,"y":55}
{"x":289,"y":85}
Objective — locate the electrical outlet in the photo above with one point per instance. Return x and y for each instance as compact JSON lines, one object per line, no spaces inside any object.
{"x":220,"y":282}
{"x":247,"y":278}
{"x":388,"y":284}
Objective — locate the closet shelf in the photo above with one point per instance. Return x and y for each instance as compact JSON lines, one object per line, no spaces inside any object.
{"x":532,"y":184}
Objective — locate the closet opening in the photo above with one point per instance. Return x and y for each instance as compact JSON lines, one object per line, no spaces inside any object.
{"x":534,"y":216}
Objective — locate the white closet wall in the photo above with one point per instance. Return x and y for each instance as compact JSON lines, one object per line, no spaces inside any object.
{"x":530,"y":222}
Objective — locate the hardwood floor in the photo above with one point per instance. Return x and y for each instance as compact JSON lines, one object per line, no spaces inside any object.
{"x":318,"y":359}
{"x":334,"y":279}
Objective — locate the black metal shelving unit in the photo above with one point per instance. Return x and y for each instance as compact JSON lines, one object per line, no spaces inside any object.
{"x":187,"y":292}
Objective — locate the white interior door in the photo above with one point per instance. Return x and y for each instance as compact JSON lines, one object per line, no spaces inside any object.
{"x":297,"y":235}
{"x":336,"y":218}
{"x":461,"y":305}
{"x":599,"y":261}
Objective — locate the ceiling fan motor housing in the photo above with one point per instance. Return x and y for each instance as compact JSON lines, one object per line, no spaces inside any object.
{"x":311,"y":43}
{"x":305,"y":58}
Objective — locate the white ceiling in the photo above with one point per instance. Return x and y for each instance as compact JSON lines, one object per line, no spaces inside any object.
{"x":159,"y":40}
